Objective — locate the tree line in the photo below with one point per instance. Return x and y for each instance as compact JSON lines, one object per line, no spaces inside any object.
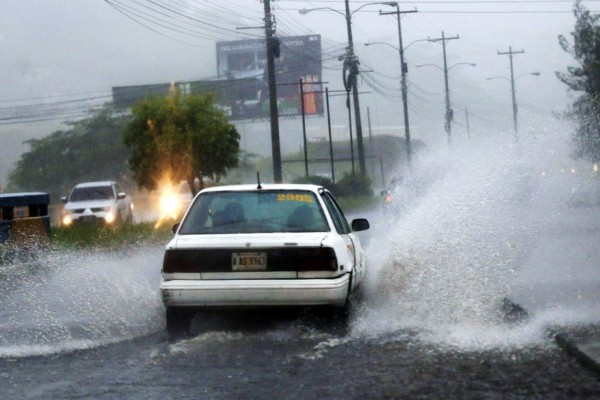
{"x":164,"y":140}
{"x":584,"y":79}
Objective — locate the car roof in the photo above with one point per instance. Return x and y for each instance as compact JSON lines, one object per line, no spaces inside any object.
{"x":94,"y":184}
{"x":267,"y":186}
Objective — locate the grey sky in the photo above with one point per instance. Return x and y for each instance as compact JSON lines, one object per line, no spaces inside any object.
{"x":52,"y":50}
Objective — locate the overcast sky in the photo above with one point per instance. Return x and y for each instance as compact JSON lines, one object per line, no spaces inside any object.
{"x":65,"y":52}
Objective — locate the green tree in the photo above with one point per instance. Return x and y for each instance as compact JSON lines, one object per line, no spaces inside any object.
{"x":92,"y":149}
{"x":179,"y":138}
{"x":584,"y":78}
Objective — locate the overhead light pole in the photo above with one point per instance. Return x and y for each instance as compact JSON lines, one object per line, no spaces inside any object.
{"x":404,"y":89}
{"x":351,"y":72}
{"x":510,"y":54}
{"x":449,"y":115}
{"x":512,"y":81}
{"x":403,"y":71}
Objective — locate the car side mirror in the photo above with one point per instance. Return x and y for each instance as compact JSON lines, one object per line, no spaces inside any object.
{"x":360,"y":224}
{"x":121,"y":195}
{"x":63,"y":199}
{"x":175,"y":228}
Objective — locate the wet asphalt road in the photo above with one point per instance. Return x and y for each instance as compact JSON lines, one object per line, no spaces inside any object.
{"x":117,"y":347}
{"x":291,"y":356}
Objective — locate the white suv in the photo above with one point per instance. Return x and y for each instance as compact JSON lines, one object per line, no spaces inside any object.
{"x":97,"y":201}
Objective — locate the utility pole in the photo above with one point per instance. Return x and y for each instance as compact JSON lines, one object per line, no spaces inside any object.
{"x":449,"y":112}
{"x":467,"y":119}
{"x":330,"y":138}
{"x":271,"y":43}
{"x":350,"y":129}
{"x":351,"y":64}
{"x":510,"y":54}
{"x":304,"y":127}
{"x":403,"y":71}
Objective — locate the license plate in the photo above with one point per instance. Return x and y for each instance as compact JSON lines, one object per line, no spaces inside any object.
{"x":249,"y":261}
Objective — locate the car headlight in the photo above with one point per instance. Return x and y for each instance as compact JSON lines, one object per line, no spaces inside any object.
{"x":109,"y":217}
{"x":67,"y":220}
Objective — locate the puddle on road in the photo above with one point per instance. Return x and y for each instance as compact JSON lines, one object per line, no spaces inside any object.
{"x":77,"y":300}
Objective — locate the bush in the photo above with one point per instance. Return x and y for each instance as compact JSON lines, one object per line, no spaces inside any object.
{"x":353,"y":185}
{"x":315,"y":180}
{"x":100,"y":236}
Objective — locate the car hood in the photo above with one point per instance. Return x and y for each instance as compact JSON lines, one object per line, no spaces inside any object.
{"x":248,"y":241}
{"x":72,"y":205}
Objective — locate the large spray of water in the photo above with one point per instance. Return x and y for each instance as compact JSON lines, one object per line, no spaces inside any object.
{"x":473,"y":213}
{"x":68,"y":300}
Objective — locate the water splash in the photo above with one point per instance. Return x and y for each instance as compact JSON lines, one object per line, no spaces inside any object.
{"x":452,"y":254}
{"x":75,"y":300}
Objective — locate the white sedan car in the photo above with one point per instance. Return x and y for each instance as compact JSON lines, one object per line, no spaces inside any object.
{"x":269,"y":245}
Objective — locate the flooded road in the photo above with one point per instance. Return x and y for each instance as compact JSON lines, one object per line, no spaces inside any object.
{"x":476,"y":229}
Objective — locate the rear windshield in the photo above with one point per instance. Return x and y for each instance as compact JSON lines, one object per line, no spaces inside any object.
{"x":255,"y":212}
{"x":92,"y":193}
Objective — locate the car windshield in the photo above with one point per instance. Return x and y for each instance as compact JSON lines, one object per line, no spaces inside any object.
{"x":92,"y":193}
{"x":255,"y":212}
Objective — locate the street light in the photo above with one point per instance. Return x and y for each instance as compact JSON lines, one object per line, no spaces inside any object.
{"x":514,"y":98}
{"x":396,"y":47}
{"x":351,"y":66}
{"x":449,"y":112}
{"x":403,"y":87}
{"x":449,"y":68}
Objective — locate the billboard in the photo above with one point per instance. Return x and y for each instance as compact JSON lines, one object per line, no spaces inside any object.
{"x":300,"y":58}
{"x":241,"y":88}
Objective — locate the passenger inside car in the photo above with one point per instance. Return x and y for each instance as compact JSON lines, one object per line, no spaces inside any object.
{"x":233,"y":213}
{"x":303,"y":219}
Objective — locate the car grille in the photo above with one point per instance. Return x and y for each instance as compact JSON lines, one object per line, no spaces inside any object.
{"x":219,"y":260}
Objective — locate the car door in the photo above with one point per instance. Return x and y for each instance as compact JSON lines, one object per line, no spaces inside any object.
{"x":352,"y":241}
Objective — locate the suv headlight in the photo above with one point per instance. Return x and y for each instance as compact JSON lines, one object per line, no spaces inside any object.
{"x":67,"y":219}
{"x":109,"y":217}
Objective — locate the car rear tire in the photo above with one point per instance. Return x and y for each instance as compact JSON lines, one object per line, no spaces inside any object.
{"x":179,"y":321}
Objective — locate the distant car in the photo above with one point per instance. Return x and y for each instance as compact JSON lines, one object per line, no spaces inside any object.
{"x":269,"y":245}
{"x":97,"y":201}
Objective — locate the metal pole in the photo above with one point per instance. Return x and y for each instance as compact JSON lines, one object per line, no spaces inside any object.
{"x":371,"y":152}
{"x":510,"y":54}
{"x":330,"y":139}
{"x":274,"y":113}
{"x":353,"y":73}
{"x":448,"y":124}
{"x":403,"y":85}
{"x":514,"y":98}
{"x":468,"y":126}
{"x":449,"y":112}
{"x":304,"y":128}
{"x":350,"y":129}
{"x":403,"y":70}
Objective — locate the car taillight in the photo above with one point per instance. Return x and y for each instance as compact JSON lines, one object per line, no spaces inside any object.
{"x":321,"y":259}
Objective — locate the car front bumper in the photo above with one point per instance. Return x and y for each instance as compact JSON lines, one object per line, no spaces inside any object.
{"x":267,"y":292}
